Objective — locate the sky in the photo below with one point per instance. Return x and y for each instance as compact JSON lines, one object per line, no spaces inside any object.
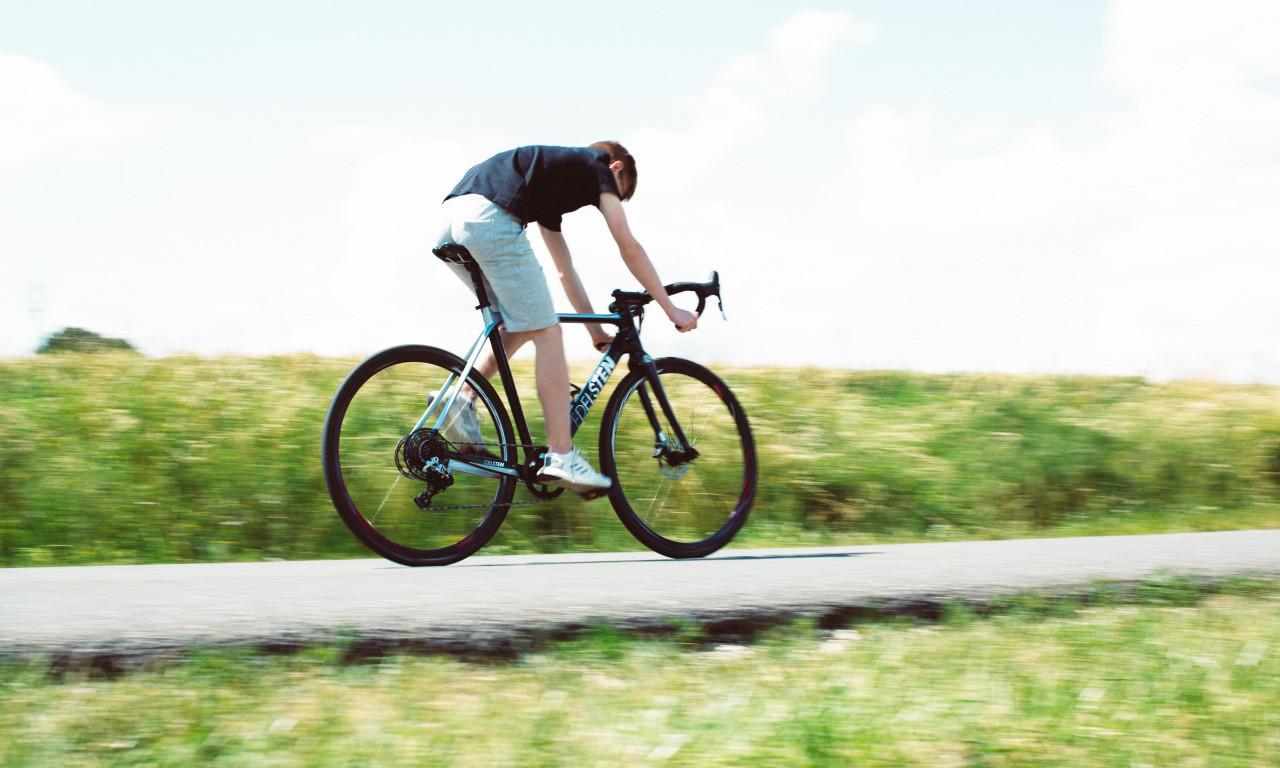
{"x":1062,"y":186}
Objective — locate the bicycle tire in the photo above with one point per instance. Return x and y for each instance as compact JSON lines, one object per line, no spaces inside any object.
{"x":381,"y":401}
{"x":690,"y":509}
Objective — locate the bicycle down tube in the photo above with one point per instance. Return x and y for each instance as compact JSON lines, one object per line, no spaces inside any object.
{"x":586,"y":397}
{"x":623,"y":343}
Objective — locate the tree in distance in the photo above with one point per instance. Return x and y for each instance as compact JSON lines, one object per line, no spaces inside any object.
{"x":80,"y":340}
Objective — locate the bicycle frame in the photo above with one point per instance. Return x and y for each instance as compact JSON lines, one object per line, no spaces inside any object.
{"x":626,"y":343}
{"x":490,"y":452}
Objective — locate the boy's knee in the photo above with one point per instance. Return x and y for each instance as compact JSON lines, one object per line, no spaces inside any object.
{"x":546,"y":334}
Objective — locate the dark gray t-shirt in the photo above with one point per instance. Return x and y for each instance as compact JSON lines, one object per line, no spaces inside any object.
{"x":540,"y":183}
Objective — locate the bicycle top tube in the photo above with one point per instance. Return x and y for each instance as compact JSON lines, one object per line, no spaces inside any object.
{"x":571,"y":317}
{"x":622,"y":300}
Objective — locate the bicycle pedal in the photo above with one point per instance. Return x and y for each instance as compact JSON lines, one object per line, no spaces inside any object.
{"x":593,"y":495}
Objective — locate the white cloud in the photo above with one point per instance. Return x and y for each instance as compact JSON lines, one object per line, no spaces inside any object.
{"x":792,"y":65}
{"x":692,"y":222}
{"x":386,"y":286}
{"x":1142,"y":251}
{"x":1181,"y":46}
{"x":939,"y":241}
{"x":401,"y":179}
{"x":41,"y":113}
{"x":747,"y":94}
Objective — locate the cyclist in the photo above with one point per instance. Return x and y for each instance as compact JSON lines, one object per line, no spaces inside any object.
{"x":487,"y":213}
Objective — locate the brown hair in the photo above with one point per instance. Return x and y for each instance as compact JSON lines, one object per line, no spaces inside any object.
{"x":617,"y":153}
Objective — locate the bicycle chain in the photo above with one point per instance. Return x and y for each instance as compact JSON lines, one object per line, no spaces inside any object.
{"x":485,"y":506}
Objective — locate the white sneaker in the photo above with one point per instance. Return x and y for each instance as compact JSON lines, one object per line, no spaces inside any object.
{"x":573,"y":472}
{"x":461,"y":425}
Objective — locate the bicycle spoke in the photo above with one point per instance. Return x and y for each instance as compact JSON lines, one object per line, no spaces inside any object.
{"x":390,"y":491}
{"x":678,"y":506}
{"x":654,"y":508}
{"x":425,"y":515}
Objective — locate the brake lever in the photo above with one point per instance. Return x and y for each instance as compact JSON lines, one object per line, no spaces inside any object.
{"x":715,"y":281}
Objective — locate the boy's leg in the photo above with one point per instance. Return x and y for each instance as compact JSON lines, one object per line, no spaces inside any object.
{"x":500,"y":246}
{"x":552,"y":371}
{"x":565,"y":466}
{"x":512,"y":341}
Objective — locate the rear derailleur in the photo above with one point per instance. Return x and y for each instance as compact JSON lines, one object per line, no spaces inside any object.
{"x":420,"y":455}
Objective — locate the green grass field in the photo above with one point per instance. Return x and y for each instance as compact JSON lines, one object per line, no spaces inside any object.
{"x":116,"y":458}
{"x":122,"y":459}
{"x":1175,"y":678}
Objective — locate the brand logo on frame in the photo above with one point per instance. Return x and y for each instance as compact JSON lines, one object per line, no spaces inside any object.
{"x":592,"y":389}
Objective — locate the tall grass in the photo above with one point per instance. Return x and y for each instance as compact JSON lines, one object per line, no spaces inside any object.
{"x":123,"y":459}
{"x":1178,"y":683}
{"x":117,"y":458}
{"x":991,"y":455}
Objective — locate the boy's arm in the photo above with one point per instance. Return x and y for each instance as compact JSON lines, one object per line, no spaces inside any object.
{"x":637,"y":260}
{"x":560,"y":255}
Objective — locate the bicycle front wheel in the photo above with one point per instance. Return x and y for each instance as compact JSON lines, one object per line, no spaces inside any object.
{"x":675,"y":505}
{"x":378,"y":407}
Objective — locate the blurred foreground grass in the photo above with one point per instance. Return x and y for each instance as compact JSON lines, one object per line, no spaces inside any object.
{"x":1176,"y":680}
{"x":117,"y":458}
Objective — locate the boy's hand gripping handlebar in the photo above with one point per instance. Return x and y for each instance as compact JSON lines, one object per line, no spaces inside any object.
{"x":637,"y":299}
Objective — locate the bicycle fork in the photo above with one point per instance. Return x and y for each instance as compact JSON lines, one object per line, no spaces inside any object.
{"x":676,"y":453}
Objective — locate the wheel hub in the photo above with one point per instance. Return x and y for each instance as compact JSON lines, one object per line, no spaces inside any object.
{"x":672,"y":461}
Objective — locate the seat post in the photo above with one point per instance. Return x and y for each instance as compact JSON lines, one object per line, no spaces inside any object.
{"x":481,"y":294}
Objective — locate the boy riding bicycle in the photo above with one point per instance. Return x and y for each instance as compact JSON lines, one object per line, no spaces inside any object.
{"x":487,"y":213}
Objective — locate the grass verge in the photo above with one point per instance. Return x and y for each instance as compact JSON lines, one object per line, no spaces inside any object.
{"x":1179,"y":677}
{"x":123,"y":459}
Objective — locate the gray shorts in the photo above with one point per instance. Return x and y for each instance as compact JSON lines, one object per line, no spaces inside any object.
{"x":513,"y":277}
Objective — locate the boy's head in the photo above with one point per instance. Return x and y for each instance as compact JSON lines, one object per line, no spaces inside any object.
{"x":622,"y":164}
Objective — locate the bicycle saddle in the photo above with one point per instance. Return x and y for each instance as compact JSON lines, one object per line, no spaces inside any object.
{"x":453,"y":253}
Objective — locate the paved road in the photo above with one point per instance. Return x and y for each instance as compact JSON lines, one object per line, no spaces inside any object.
{"x":489,"y":603}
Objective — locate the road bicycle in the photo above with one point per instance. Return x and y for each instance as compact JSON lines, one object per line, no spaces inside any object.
{"x":673,"y":438}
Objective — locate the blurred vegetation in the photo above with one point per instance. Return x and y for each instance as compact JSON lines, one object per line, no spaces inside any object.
{"x":116,"y":458}
{"x":1167,"y":682}
{"x":999,"y":456}
{"x":80,"y":340}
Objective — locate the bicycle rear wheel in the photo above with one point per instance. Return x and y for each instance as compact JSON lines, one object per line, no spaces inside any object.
{"x":377,"y":407}
{"x":676,"y":507}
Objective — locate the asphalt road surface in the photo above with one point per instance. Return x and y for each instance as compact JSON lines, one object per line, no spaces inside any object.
{"x":487,"y":604}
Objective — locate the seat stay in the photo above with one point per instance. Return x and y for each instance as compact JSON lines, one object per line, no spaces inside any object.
{"x":512,"y":393}
{"x":449,"y":393}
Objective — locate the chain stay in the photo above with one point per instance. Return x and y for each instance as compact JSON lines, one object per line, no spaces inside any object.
{"x":487,"y":506}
